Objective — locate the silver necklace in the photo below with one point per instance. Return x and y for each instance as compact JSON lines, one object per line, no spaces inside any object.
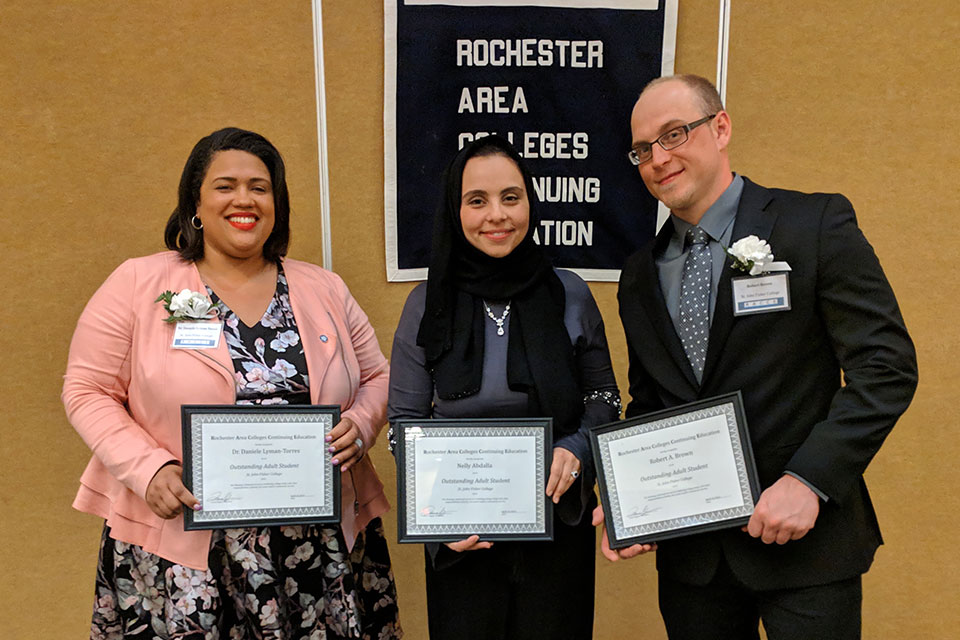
{"x":499,"y":320}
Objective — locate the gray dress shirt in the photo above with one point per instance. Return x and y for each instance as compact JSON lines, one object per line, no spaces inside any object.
{"x":717,"y":221}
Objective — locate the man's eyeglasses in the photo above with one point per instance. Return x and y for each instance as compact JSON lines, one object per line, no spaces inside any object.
{"x":643,"y":151}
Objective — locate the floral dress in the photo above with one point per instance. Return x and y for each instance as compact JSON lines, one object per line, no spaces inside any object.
{"x":290,"y":583}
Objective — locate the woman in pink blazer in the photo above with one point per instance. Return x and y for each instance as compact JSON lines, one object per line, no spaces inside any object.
{"x":292,"y":334}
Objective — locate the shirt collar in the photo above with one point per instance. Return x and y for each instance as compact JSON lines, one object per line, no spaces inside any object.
{"x":717,"y":218}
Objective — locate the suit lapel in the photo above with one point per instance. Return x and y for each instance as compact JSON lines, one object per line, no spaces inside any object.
{"x":320,"y":336}
{"x":217,"y":359}
{"x":753,"y":218}
{"x":653,"y":304}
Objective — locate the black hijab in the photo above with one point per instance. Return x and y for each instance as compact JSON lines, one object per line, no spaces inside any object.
{"x":540,"y":358}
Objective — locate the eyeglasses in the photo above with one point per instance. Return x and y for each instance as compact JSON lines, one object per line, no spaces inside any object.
{"x":643,"y":151}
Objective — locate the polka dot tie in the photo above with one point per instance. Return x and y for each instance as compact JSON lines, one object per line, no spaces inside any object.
{"x":695,"y":299}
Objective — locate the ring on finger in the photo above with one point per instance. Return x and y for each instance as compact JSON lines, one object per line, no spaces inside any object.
{"x":575,"y":474}
{"x":359,"y":443}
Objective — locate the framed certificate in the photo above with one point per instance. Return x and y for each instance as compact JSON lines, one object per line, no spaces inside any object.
{"x":457,"y":478}
{"x":672,"y":473}
{"x":259,"y":465}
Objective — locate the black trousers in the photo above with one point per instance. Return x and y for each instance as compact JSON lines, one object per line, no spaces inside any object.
{"x":515,"y":590}
{"x":725,"y":609}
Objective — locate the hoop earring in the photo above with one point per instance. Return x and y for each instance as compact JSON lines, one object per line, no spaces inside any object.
{"x":196,"y":223}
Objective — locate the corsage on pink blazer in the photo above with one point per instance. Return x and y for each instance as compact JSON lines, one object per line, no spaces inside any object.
{"x":124,"y":386}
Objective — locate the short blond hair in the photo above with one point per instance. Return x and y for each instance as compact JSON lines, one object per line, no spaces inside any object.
{"x":707,"y":94}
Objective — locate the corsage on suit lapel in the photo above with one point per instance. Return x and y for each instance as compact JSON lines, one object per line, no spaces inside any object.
{"x":753,"y":218}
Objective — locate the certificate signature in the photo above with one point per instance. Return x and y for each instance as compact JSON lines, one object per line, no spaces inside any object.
{"x":645,"y":511}
{"x":219,"y":498}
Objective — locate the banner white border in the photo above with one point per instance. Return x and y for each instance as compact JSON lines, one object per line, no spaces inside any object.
{"x":643,"y":5}
{"x":394,"y":272}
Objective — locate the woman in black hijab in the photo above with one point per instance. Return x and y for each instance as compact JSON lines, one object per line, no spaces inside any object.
{"x":497,"y":332}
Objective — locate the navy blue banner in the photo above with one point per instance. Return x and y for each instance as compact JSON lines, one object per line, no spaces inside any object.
{"x":559,"y":83}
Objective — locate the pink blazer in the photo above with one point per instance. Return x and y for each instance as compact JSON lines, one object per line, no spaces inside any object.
{"x":124,"y":386}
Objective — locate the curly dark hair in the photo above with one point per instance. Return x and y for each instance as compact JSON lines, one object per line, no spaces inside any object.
{"x":181,"y":236}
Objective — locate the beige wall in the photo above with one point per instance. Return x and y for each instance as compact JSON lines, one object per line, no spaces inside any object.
{"x":100,"y":103}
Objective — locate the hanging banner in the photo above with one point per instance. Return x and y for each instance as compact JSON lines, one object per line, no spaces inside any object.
{"x":558,"y":78}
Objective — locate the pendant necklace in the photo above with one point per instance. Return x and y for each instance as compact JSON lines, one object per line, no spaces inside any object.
{"x":499,"y":320}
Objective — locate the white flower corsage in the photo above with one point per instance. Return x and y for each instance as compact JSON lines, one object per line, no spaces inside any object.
{"x":187,"y":306}
{"x":753,"y":255}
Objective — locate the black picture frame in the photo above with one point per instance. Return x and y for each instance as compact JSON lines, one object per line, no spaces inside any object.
{"x":197,"y":418}
{"x":621,"y":534}
{"x":408,"y":430}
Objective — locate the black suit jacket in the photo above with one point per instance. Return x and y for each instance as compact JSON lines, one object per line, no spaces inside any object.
{"x":788,"y":364}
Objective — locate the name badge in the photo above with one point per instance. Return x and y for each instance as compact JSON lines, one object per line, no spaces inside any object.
{"x":197,"y":335}
{"x":761,"y":294}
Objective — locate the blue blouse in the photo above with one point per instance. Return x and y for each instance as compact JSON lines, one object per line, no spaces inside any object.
{"x":412,"y":394}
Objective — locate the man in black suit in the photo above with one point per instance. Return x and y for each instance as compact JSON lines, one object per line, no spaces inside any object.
{"x":797,"y":565}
